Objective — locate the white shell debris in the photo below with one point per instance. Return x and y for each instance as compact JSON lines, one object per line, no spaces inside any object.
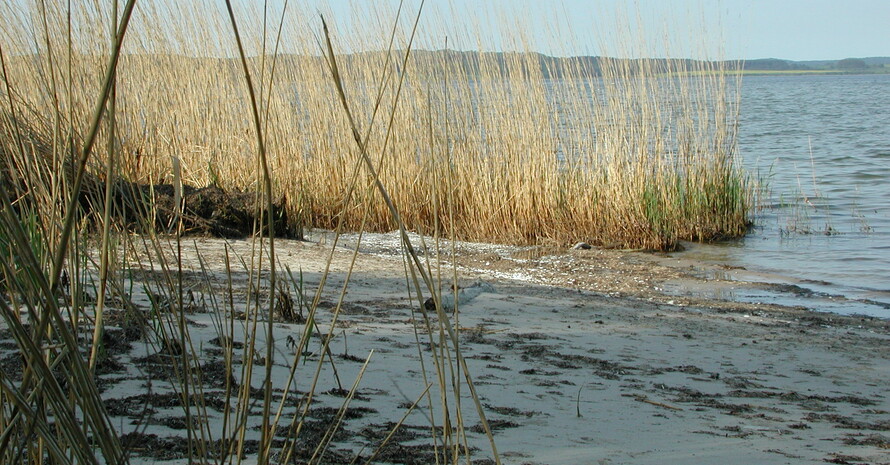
{"x":464,"y":296}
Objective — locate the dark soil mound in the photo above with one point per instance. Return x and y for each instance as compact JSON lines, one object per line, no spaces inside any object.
{"x":211,"y":211}
{"x":208,"y":211}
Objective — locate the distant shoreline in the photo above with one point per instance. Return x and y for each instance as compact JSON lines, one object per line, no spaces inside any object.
{"x":796,"y":72}
{"x":801,"y":72}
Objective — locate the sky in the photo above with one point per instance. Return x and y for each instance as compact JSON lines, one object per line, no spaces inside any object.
{"x":805,"y":29}
{"x":735,"y":29}
{"x":711,"y":29}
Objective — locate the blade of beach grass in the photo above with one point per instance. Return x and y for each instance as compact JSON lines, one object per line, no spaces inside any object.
{"x":325,"y":350}
{"x":268,"y":105}
{"x":322,"y":446}
{"x":228,"y":351}
{"x":266,"y":433}
{"x":33,"y":283}
{"x":92,"y":133}
{"x":110,"y":177}
{"x":298,"y":419}
{"x":335,"y":74}
{"x":395,"y":428}
{"x":438,"y":361}
{"x":185,"y":372}
{"x":37,"y":422}
{"x":48,"y":387}
{"x":314,"y":305}
{"x":449,"y":201}
{"x":420,"y":356}
{"x":436,"y":291}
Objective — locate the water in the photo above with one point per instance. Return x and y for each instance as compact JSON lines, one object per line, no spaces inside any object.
{"x":822,"y":143}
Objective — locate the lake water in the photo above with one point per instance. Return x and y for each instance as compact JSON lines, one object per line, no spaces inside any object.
{"x":822,"y":145}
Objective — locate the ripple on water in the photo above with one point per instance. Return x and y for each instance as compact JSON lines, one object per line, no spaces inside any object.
{"x":826,"y":170}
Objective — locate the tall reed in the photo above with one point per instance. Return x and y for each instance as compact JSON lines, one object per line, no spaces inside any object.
{"x":629,"y":153}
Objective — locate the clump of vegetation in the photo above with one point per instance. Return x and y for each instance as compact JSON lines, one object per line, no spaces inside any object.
{"x":529,"y":148}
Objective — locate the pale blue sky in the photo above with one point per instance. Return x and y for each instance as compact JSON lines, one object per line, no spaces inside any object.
{"x":717,"y":29}
{"x":788,"y":29}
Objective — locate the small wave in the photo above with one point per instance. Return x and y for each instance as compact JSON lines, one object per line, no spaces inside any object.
{"x":869,"y":175}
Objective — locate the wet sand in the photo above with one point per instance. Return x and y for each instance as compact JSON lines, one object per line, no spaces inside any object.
{"x":579,"y":356}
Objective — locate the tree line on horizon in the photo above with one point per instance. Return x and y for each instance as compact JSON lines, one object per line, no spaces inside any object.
{"x":553,"y":67}
{"x":846,"y":64}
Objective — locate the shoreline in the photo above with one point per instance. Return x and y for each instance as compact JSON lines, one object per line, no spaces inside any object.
{"x":664,"y":277}
{"x":576,"y":355}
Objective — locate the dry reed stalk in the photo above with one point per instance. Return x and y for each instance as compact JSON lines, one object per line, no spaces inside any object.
{"x":615,"y":152}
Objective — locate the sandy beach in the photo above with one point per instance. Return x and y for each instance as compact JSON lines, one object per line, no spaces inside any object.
{"x":578,"y":356}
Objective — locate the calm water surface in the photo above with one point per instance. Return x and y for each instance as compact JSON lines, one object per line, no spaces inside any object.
{"x":822,"y":145}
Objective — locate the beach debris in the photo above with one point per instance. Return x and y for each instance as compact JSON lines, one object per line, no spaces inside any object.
{"x":645,"y":399}
{"x":464,"y":296}
{"x":284,"y":308}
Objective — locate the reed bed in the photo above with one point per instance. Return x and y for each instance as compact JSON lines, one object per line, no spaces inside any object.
{"x":626,"y":153}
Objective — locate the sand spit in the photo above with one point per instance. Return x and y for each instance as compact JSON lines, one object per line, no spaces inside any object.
{"x":579,"y":356}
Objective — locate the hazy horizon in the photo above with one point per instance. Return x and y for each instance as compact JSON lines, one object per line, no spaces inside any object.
{"x":795,"y":30}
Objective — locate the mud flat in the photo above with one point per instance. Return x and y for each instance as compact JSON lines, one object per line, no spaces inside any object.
{"x":579,"y":356}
